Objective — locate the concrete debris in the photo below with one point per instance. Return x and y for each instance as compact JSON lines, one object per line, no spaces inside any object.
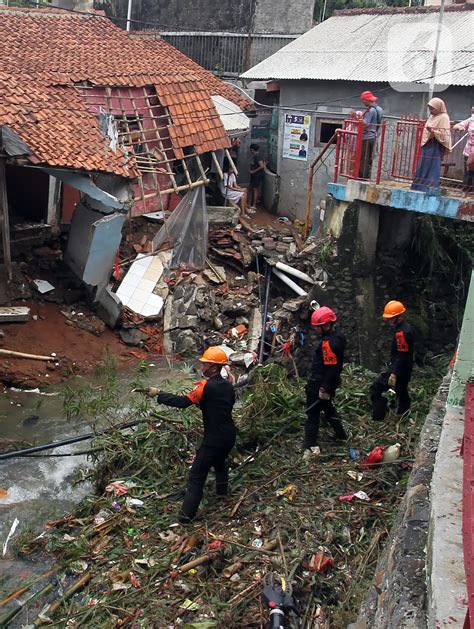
{"x":18,"y":314}
{"x":133,"y":337}
{"x":43,"y":286}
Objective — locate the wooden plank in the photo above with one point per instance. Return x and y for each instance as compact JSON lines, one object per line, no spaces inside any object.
{"x":14,"y":314}
{"x":5,"y":221}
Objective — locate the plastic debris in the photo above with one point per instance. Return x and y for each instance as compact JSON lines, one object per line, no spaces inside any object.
{"x":135,"y":581}
{"x":16,"y":522}
{"x":257,"y":543}
{"x":374,"y":457}
{"x":392,"y":453}
{"x":289,"y":492}
{"x":354,"y":454}
{"x":321,"y":561}
{"x":118,"y":488}
{"x":102,"y":516}
{"x":358,"y":476}
{"x":189,"y":605}
{"x":361,"y":495}
{"x":134,"y":502}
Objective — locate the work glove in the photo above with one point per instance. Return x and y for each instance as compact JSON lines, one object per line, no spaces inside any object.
{"x":392,"y":380}
{"x":324,"y":395}
{"x":149,"y":391}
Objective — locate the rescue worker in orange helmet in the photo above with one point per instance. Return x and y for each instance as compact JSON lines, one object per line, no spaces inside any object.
{"x":398,"y":375}
{"x":215,"y":397}
{"x":324,"y":377}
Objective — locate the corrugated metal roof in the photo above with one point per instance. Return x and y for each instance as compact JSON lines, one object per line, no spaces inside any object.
{"x":393,"y":47}
{"x":232,"y":117}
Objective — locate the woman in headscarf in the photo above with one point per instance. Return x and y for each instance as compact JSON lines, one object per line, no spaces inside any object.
{"x":435,"y":143}
{"x":468,"y":153}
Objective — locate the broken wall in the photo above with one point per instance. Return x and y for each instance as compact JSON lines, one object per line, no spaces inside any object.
{"x":93,"y":243}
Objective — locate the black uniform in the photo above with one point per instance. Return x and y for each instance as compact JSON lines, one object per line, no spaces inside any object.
{"x":325,"y":374}
{"x":215,"y":398}
{"x":401,"y":364}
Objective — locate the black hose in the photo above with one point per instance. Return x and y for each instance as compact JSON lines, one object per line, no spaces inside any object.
{"x":66,"y":442}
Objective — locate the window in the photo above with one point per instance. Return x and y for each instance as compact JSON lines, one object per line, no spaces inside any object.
{"x":325,"y":129}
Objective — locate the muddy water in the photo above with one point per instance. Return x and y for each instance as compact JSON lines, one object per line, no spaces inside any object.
{"x":43,"y":487}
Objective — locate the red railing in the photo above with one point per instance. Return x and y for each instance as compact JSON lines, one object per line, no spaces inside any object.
{"x":407,"y":148}
{"x":396,"y":154}
{"x":348,"y":150}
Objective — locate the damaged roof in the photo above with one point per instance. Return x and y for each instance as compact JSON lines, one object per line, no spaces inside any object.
{"x":392,"y":44}
{"x":39,"y":99}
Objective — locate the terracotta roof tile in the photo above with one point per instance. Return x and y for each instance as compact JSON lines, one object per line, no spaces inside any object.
{"x":39,"y":100}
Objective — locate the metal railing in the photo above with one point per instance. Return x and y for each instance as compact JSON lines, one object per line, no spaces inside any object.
{"x":396,"y":154}
{"x":227,"y":54}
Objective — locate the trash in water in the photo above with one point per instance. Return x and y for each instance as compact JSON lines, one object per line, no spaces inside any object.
{"x":16,"y":522}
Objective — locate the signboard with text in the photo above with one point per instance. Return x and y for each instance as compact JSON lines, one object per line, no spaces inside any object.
{"x":296,"y":136}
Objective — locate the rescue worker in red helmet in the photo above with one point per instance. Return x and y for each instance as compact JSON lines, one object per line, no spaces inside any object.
{"x":324,"y":377}
{"x":398,"y":375}
{"x":215,"y":397}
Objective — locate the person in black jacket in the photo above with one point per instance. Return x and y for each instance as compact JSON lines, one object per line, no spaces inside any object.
{"x":324,"y":378}
{"x":215,"y":397}
{"x":398,"y":375}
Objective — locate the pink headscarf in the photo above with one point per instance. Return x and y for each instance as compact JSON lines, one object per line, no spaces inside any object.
{"x":438,"y":125}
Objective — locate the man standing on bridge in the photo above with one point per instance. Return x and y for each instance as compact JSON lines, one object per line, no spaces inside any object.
{"x":398,"y":375}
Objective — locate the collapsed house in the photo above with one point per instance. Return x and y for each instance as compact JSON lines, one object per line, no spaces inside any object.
{"x":97,"y":126}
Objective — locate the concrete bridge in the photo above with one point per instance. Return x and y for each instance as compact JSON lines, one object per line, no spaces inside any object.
{"x":402,"y":198}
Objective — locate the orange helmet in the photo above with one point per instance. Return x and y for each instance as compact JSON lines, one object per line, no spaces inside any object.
{"x":214,"y":355}
{"x":393,"y":309}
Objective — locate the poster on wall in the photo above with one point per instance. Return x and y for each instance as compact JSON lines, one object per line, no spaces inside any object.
{"x":296,"y":136}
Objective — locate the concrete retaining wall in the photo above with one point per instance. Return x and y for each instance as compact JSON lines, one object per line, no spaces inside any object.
{"x":398,"y":595}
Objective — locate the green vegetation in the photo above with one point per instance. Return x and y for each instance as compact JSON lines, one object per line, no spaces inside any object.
{"x":125,"y":556}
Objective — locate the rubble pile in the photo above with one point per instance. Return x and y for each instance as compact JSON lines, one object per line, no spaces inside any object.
{"x":224,"y":304}
{"x":120,"y":559}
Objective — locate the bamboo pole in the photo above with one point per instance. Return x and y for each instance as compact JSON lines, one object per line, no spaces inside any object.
{"x":196,"y":562}
{"x":10,"y":352}
{"x":78,"y":585}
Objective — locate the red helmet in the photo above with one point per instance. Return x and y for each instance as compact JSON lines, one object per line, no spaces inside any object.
{"x":323,"y":315}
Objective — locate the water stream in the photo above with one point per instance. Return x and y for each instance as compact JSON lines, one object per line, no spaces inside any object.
{"x":43,"y":487}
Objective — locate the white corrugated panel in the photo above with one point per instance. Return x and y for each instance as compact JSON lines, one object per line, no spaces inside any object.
{"x":393,"y":47}
{"x":231,"y":115}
